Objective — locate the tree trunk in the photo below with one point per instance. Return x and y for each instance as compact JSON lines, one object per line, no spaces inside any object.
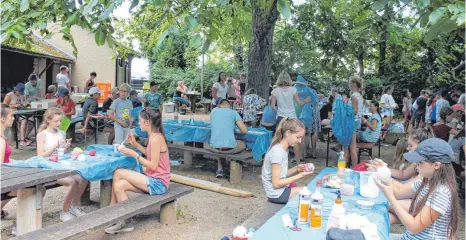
{"x":260,"y":49}
{"x":239,"y":57}
{"x":361,"y":63}
{"x":383,"y":40}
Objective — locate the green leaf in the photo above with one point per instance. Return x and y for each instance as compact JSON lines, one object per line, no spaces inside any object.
{"x":436,"y":15}
{"x":460,"y":20}
{"x":100,"y":36}
{"x":107,"y":12}
{"x":35,"y":14}
{"x":221,"y":3}
{"x":16,"y":34}
{"x":158,"y":3}
{"x":134,"y":4}
{"x":423,"y":4}
{"x":444,"y":26}
{"x":190,"y":22}
{"x":162,"y":37}
{"x":195,"y":41}
{"x":24,"y":5}
{"x":454,"y":8}
{"x":42,"y":25}
{"x":380,"y":4}
{"x":174,"y":29}
{"x":283,"y":7}
{"x":205,"y":47}
{"x":88,"y":8}
{"x":72,"y":18}
{"x":110,"y":40}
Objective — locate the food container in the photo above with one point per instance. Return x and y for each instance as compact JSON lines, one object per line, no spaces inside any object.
{"x":367,"y":186}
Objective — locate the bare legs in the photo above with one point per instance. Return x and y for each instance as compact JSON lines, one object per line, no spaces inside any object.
{"x":77,"y":186}
{"x":353,"y":150}
{"x":127,"y":180}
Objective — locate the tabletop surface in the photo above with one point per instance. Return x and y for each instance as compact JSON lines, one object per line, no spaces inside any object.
{"x":28,"y":111}
{"x":14,"y":178}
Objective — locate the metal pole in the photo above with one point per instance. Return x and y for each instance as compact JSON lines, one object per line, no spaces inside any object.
{"x":202,"y":78}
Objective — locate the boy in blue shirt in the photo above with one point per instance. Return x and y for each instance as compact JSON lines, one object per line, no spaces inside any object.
{"x":153,"y":98}
{"x":222,"y":139}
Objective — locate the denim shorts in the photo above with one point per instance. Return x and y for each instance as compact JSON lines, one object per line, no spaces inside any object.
{"x":155,"y":186}
{"x":387,"y":112}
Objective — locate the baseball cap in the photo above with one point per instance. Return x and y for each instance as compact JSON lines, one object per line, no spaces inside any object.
{"x":20,"y":88}
{"x":132,"y":92}
{"x":63,"y":92}
{"x":115,"y":90}
{"x":94,"y":90}
{"x":458,"y":107}
{"x":434,"y":149}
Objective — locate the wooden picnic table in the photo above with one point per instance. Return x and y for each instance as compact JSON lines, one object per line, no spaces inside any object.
{"x":107,"y":123}
{"x":28,"y":182}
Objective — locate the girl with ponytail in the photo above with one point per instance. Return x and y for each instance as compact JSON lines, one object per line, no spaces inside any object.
{"x":278,"y":180}
{"x":49,"y":139}
{"x":156,"y":176}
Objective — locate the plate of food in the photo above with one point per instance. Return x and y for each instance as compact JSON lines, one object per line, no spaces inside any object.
{"x":332,"y":180}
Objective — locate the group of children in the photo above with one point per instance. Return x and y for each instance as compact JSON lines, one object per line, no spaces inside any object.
{"x":423,"y":193}
{"x":155,"y":177}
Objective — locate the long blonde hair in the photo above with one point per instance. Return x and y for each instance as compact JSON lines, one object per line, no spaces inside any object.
{"x":401,"y":148}
{"x":48,"y":116}
{"x":287,"y":124}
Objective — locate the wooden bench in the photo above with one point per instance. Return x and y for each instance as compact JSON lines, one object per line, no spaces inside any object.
{"x":113,"y":214}
{"x":236,"y":160}
{"x":257,"y":219}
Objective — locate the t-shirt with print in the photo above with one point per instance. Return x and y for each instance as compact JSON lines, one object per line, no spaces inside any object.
{"x":62,"y":80}
{"x":278,"y":155}
{"x":223,"y":122}
{"x":30,"y":90}
{"x":440,"y":201}
{"x":251,"y":103}
{"x":285,"y":101}
{"x":372,"y":136}
{"x":122,"y":110}
{"x":154,"y":100}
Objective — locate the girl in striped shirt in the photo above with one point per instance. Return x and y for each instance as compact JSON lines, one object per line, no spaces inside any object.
{"x":433,"y":212}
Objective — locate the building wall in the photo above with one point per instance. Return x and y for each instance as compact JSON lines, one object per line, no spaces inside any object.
{"x":91,"y":57}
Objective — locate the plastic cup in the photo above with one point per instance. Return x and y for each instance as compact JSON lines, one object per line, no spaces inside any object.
{"x":61,"y":152}
{"x":115,"y":147}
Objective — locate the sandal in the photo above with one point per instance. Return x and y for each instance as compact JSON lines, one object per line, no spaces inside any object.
{"x":24,"y":143}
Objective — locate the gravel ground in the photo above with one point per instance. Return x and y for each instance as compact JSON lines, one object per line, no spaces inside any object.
{"x":201,"y":215}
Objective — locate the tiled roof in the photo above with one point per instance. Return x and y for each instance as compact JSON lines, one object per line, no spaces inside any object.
{"x":39,"y":47}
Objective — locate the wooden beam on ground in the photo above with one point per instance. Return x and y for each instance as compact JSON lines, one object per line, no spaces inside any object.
{"x":214,"y":187}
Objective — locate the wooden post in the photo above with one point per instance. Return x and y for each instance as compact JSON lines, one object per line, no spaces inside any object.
{"x":188,"y":159}
{"x":86,"y":197}
{"x":168,"y":213}
{"x":236,"y":171}
{"x":105,"y":192}
{"x":29,"y":210}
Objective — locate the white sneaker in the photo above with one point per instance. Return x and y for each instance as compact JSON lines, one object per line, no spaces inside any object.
{"x":76,"y":211}
{"x":65,"y":216}
{"x":119,"y":227}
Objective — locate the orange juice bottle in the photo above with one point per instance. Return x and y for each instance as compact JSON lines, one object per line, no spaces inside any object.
{"x":341,"y":164}
{"x":303,"y":207}
{"x":316,"y":207}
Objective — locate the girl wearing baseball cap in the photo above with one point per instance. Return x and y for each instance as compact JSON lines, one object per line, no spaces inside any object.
{"x":433,"y":213}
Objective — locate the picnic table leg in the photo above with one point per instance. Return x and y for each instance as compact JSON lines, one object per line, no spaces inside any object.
{"x":105,"y":192}
{"x":86,"y":197}
{"x":15,"y":130}
{"x":188,"y":159}
{"x":328,"y":146}
{"x":168,"y":213}
{"x":96,"y":131}
{"x":236,"y":171}
{"x":29,"y":210}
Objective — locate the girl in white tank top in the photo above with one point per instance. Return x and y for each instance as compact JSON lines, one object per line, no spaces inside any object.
{"x":48,"y":139}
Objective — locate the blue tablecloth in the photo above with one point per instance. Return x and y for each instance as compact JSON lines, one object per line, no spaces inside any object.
{"x":273,"y":228}
{"x":257,"y":139}
{"x":95,"y":168}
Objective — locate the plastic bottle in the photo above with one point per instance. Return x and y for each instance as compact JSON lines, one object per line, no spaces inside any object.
{"x":176,"y":115}
{"x":337,"y":216}
{"x":303,"y":207}
{"x":191,"y":119}
{"x":341,"y":164}
{"x":316,"y":207}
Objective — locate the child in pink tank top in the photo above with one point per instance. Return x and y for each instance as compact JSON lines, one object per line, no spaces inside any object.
{"x":5,"y":149}
{"x":156,"y":175}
